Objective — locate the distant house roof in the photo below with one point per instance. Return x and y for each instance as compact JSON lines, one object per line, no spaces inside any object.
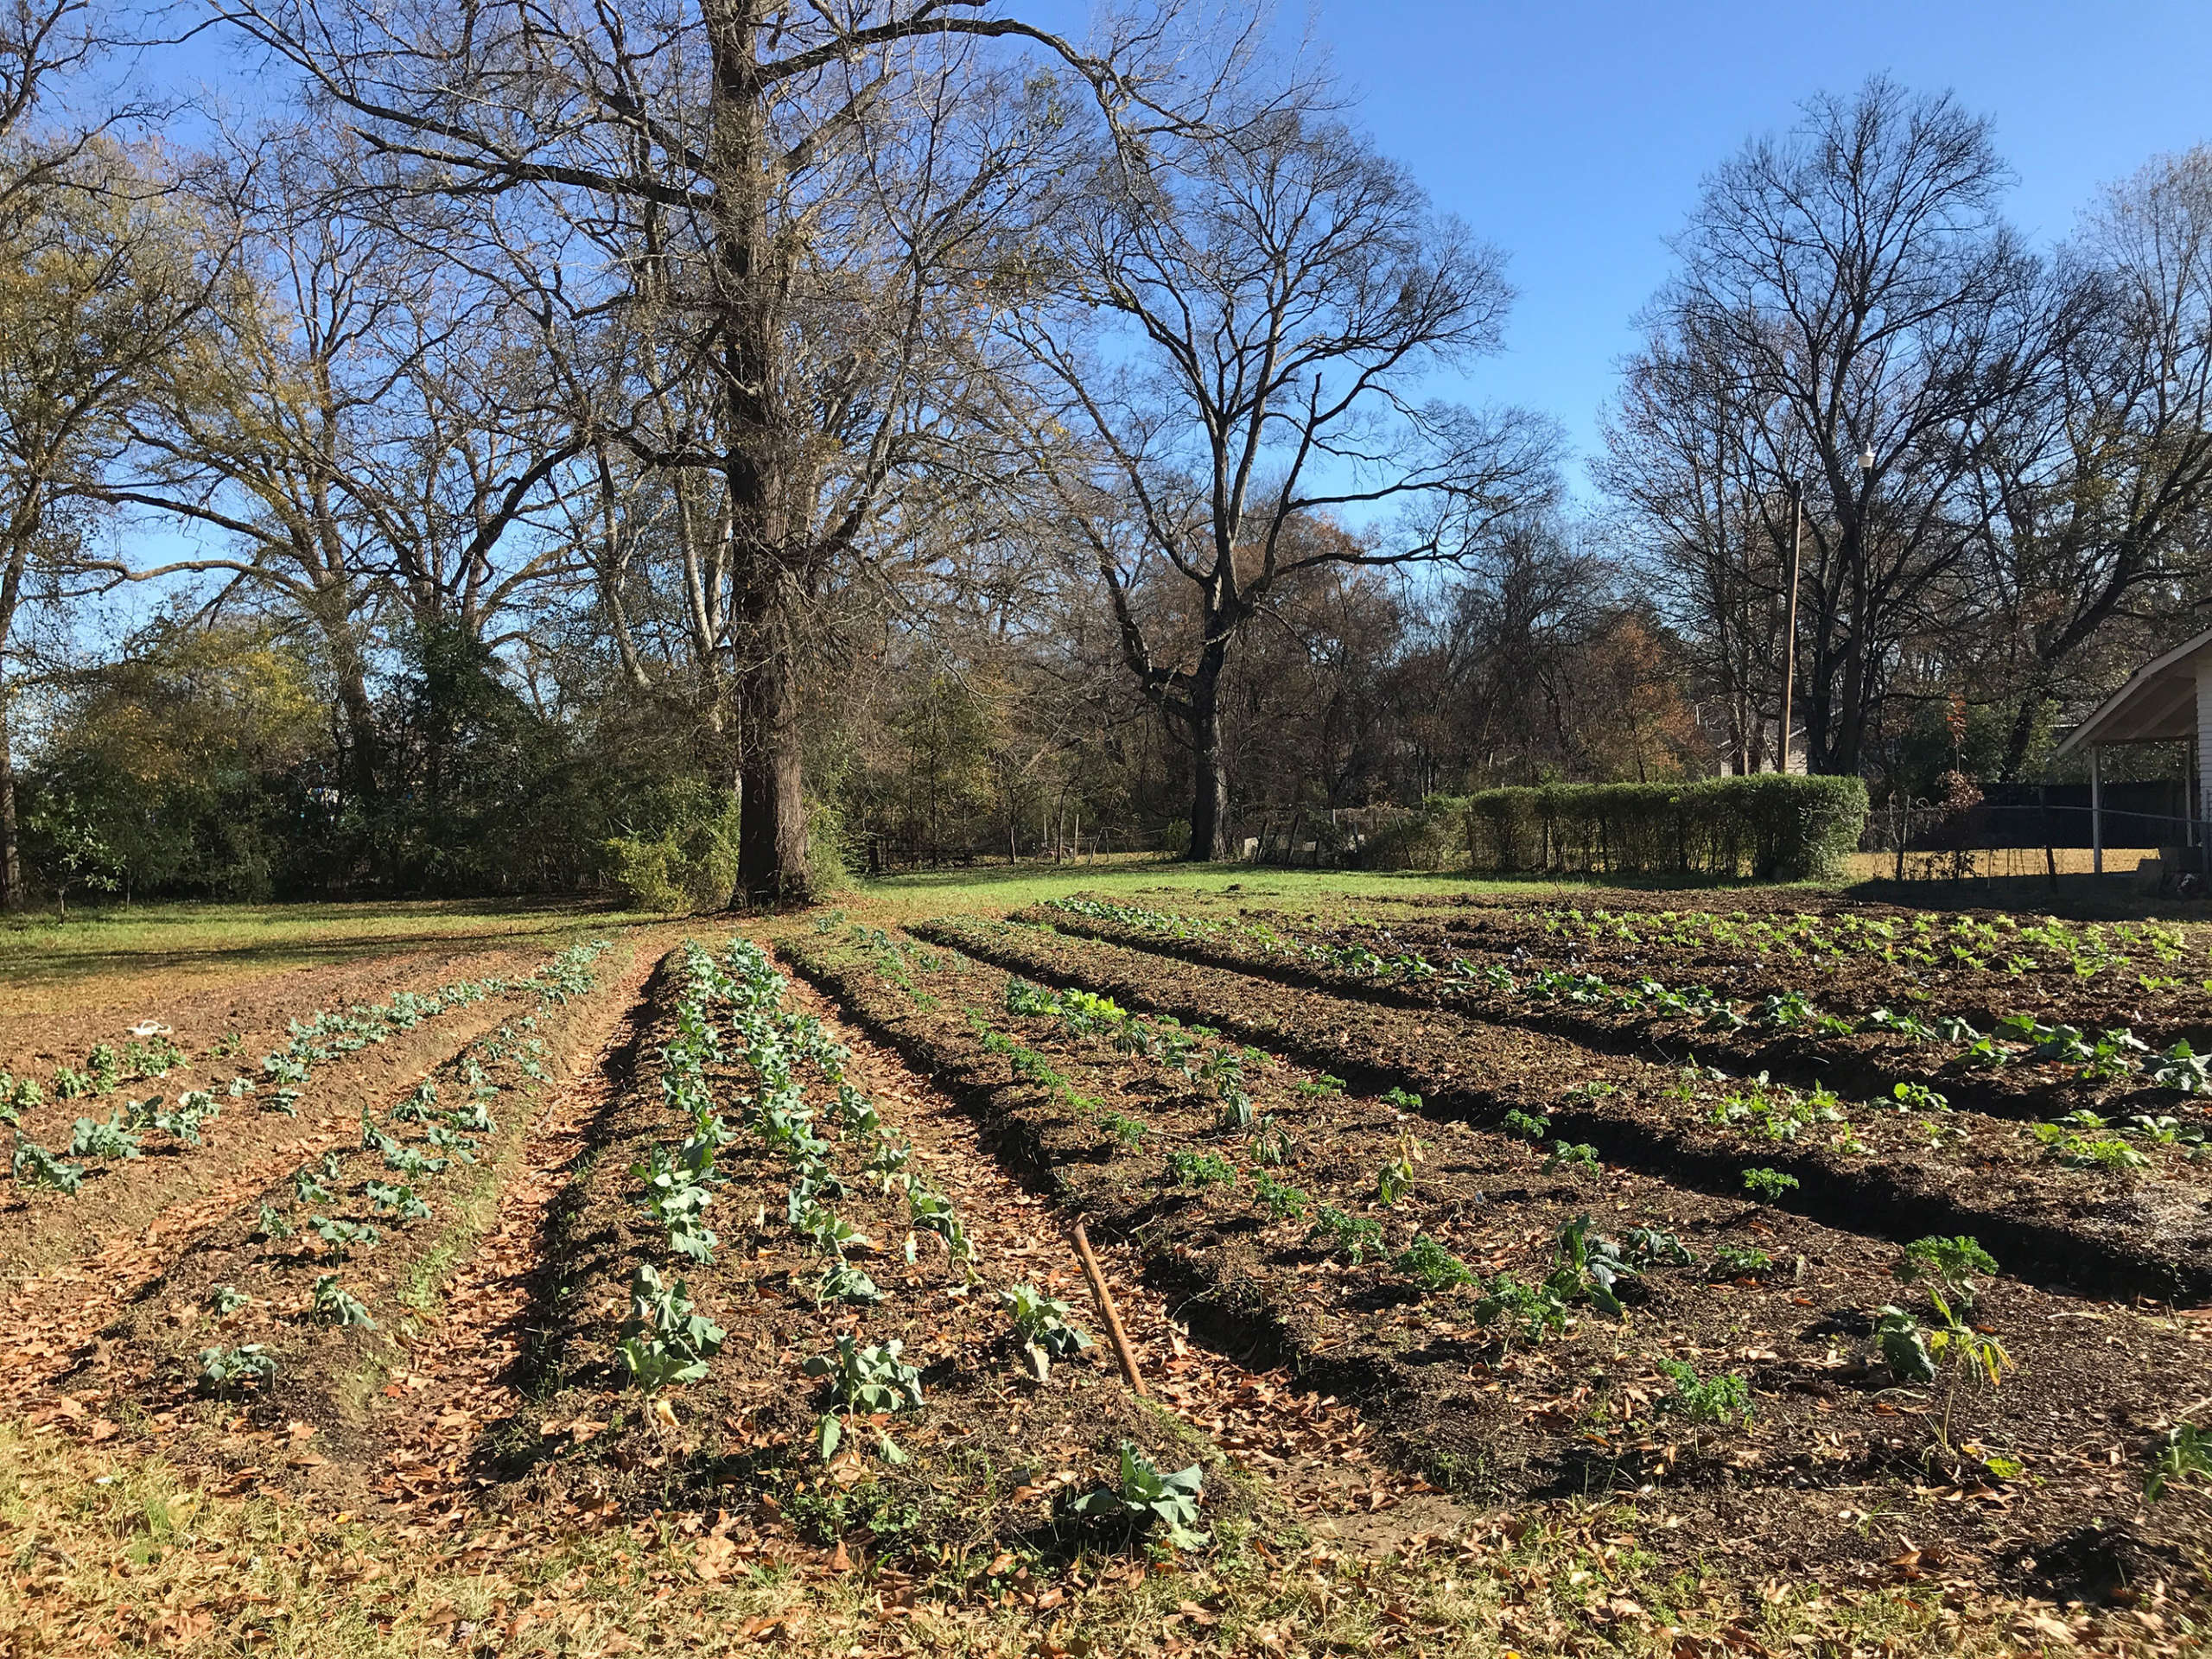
{"x":2158,"y":702}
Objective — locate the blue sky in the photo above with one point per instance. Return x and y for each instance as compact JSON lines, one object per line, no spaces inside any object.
{"x":1573,"y":135}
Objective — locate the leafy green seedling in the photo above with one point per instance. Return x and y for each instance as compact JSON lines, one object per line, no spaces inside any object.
{"x":2185,"y":1452}
{"x":1768,"y":1186}
{"x":34,"y":1166}
{"x":1147,"y":1497}
{"x":222,"y":1371}
{"x":333,"y":1305}
{"x":1715,"y":1399}
{"x":225,"y":1300}
{"x":840,"y":1281}
{"x":1527,"y":1125}
{"x":1041,"y":1328}
{"x":1429,"y":1265}
{"x":665,"y":1339}
{"x":1356,"y":1238}
{"x":1949,"y":1262}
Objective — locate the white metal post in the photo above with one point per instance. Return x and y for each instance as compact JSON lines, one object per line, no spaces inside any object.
{"x":2097,"y":808}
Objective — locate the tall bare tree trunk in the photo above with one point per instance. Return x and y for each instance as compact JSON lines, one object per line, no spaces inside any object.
{"x":772,"y":815}
{"x":1209,"y":780}
{"x":11,"y":864}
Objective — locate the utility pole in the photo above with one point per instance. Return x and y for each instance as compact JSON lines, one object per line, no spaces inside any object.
{"x":1790,"y":628}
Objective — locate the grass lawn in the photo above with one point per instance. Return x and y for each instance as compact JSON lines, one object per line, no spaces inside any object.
{"x":118,"y":951}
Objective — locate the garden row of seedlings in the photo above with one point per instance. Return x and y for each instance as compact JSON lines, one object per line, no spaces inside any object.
{"x":312,"y":1289}
{"x":1536,"y":1318}
{"x":2001,"y":1060}
{"x":96,"y":1143}
{"x":2112,"y":1129}
{"x":1905,"y":1163}
{"x":2042,"y":986}
{"x":884,"y":1374}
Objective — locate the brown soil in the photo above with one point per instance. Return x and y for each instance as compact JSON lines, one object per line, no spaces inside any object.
{"x":1580,"y":1417}
{"x":1862,"y":1063}
{"x":2098,"y":1230}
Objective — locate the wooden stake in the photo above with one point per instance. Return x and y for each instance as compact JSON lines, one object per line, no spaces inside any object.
{"x":1106,"y":1312}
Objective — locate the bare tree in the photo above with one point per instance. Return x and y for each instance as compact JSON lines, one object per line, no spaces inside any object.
{"x":746,"y":145}
{"x":2092,"y":495}
{"x":1861,"y":297}
{"x":1237,"y":324}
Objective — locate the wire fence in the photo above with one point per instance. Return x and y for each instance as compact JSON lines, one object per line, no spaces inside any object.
{"x":1919,"y":839}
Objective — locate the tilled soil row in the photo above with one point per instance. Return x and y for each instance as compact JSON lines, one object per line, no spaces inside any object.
{"x":78,"y":1263}
{"x":150,"y":1358}
{"x":1863,"y":1062}
{"x":2106,"y":1234}
{"x":1964,"y":964}
{"x":1586,"y":1412}
{"x":227,"y":1030}
{"x":990,"y":1458}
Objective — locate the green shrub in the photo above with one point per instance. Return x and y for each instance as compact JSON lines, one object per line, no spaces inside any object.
{"x":686,"y":860}
{"x":1773,"y":827}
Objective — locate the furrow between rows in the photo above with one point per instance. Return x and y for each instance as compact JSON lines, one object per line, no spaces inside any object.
{"x":2139,"y":1238}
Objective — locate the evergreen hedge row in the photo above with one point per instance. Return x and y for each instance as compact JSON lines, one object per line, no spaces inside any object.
{"x":1771,"y":827}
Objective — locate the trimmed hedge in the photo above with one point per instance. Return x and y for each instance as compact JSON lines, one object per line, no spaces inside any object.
{"x":1773,"y":827}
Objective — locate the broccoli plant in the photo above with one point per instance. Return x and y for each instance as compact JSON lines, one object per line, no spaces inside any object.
{"x":1041,"y":1328}
{"x":224,"y":1300}
{"x":1146,"y":1498}
{"x":665,"y":1339}
{"x":1949,"y":1262}
{"x":932,"y":1213}
{"x":399,"y":1201}
{"x":863,"y":1381}
{"x":842,"y":1282}
{"x":341,"y":1238}
{"x":224,"y":1371}
{"x":333,"y":1303}
{"x":34,"y":1166}
{"x":94,"y":1138}
{"x":271,"y":1223}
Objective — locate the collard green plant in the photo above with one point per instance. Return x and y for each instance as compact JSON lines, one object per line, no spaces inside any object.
{"x":333,"y":1303}
{"x":666,"y":1339}
{"x":1146,"y":1498}
{"x":95,"y":1138}
{"x":224,"y":1371}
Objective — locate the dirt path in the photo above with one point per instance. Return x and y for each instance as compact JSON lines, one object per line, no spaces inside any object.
{"x":466,"y":1376}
